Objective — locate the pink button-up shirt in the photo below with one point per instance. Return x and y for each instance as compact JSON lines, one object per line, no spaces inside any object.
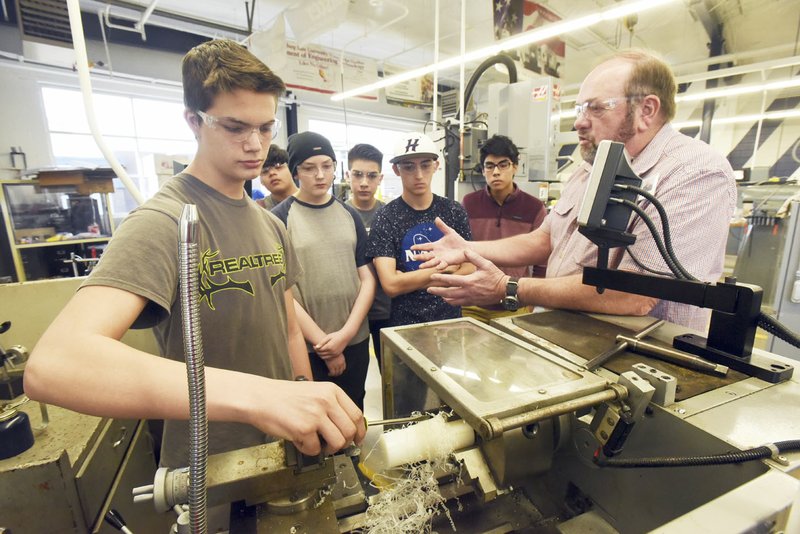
{"x":697,"y":188}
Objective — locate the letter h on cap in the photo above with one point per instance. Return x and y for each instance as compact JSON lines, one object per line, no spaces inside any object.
{"x":412,"y":145}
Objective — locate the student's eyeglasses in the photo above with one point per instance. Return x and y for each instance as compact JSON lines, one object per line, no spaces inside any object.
{"x":597,"y":108}
{"x":311,"y":170}
{"x":412,"y":166}
{"x":360,"y":175}
{"x":239,"y":132}
{"x":502,"y":165}
{"x":275,"y":166}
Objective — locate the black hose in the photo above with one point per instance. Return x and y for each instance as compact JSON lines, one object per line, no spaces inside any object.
{"x":757,"y":453}
{"x":505,"y":59}
{"x":772,"y":326}
{"x":665,"y":228}
{"x":766,"y":322}
{"x":676,"y":270}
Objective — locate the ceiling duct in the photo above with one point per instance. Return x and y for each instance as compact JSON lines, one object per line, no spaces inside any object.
{"x":44,"y":21}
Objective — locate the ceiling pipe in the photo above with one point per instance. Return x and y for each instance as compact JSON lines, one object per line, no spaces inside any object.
{"x":106,"y":20}
{"x":138,"y":26}
{"x":436,"y":24}
{"x":757,"y":141}
{"x":737,"y":71}
{"x":716,"y":47}
{"x":146,"y":16}
{"x":82,"y":66}
{"x":167,"y":19}
{"x":735,"y":56}
{"x":450,"y":189}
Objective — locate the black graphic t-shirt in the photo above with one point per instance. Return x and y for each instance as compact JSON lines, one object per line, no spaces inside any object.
{"x":395,"y":229}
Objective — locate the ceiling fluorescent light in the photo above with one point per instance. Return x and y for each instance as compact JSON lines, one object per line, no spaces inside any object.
{"x":736,"y":119}
{"x":740,"y":90}
{"x":511,"y":43}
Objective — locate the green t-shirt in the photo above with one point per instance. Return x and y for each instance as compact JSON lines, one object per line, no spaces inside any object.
{"x":245,"y":264}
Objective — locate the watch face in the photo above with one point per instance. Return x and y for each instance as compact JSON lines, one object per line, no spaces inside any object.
{"x":511,"y":303}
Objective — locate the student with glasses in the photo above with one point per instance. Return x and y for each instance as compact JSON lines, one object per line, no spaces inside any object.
{"x":338,"y":287}
{"x":630,"y":99}
{"x":275,"y":176}
{"x":364,"y":175}
{"x":501,"y":209}
{"x":253,"y":346}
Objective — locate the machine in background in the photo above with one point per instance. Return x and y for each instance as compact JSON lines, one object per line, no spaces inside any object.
{"x":768,"y":253}
{"x":56,"y":225}
{"x":527,"y":111}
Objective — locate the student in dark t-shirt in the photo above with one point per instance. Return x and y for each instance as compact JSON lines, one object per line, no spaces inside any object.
{"x":409,"y":220}
{"x":402,"y":223}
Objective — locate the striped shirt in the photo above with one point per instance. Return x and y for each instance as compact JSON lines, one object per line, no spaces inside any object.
{"x":698,"y":190}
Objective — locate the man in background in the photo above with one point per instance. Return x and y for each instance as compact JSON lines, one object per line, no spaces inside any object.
{"x":501,"y":209}
{"x":364,"y":175}
{"x":275,"y":176}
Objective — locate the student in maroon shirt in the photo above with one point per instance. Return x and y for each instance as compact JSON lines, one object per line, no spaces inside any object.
{"x":501,"y":209}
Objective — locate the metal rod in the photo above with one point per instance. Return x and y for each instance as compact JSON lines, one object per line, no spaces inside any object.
{"x":45,"y":418}
{"x":597,"y":361}
{"x":670,"y":355}
{"x":516,"y":421}
{"x":398,"y":420}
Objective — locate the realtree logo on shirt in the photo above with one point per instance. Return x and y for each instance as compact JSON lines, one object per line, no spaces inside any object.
{"x":421,"y":233}
{"x":210,"y":269}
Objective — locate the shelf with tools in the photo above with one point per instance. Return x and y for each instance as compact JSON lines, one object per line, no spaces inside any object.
{"x":55,"y":225}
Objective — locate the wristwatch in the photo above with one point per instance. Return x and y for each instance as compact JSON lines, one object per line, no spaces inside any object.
{"x":510,"y":302}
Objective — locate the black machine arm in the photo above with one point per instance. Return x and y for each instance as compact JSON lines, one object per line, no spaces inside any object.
{"x":736,"y":308}
{"x":734,"y":317}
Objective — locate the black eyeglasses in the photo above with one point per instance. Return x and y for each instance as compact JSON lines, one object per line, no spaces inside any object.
{"x":502,"y":165}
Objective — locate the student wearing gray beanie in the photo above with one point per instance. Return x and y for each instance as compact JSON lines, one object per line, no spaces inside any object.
{"x":305,"y":145}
